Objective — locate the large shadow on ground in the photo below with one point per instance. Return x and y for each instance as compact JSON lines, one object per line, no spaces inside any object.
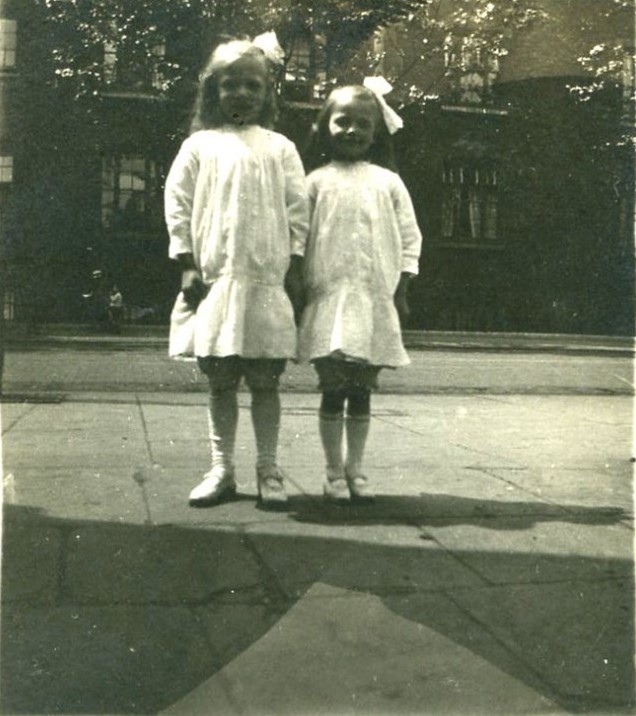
{"x":116,"y":618}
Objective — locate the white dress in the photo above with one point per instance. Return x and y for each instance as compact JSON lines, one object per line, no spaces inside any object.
{"x":236,"y":199}
{"x":363,"y":234}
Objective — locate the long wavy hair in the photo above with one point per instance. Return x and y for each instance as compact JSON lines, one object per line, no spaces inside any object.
{"x":206,"y":113}
{"x":320,"y":151}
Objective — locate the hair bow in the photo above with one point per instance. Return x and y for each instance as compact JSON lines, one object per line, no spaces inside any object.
{"x":268,"y":43}
{"x":379,"y":86}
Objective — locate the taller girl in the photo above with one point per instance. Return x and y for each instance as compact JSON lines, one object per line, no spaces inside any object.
{"x":364,"y":245}
{"x":237,"y":217}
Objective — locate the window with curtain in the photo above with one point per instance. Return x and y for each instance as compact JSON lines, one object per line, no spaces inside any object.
{"x":472,"y":67}
{"x":130,"y":190}
{"x":470,"y":204}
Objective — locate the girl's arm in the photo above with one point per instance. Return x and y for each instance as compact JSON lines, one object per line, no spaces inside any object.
{"x":296,"y":200}
{"x":400,"y":297}
{"x":298,"y":219}
{"x":178,"y":199}
{"x":179,"y":194}
{"x":410,"y":235}
{"x":411,"y":239}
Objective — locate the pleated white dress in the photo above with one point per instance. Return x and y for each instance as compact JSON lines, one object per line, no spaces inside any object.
{"x":236,"y":199}
{"x":363,"y":235}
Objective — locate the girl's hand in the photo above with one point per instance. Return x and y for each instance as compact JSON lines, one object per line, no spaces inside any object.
{"x":192,"y":287}
{"x":402,"y":305}
{"x":400,"y":298}
{"x":294,"y":286}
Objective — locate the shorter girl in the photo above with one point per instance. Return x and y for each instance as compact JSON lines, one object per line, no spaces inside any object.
{"x":237,"y":216}
{"x":364,"y":244}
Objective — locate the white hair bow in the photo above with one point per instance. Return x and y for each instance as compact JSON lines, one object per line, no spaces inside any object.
{"x":268,"y":43}
{"x":379,"y":86}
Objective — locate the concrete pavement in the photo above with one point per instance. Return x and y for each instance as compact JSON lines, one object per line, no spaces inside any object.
{"x":494,"y":575}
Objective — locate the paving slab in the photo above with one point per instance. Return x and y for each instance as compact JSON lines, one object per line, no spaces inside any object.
{"x":29,"y":581}
{"x":609,"y":484}
{"x":577,"y":635}
{"x":157,"y":565}
{"x":338,"y":652}
{"x":105,"y":659}
{"x":77,"y":493}
{"x":68,"y":435}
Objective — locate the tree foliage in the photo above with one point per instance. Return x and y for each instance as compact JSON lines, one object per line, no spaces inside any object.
{"x":419,"y":37}
{"x":425,"y":47}
{"x":138,"y":30}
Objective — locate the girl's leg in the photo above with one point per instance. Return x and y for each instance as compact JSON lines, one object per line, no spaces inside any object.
{"x":262,"y":377}
{"x":266,"y":422}
{"x":357,"y":430}
{"x":330,"y":424}
{"x":222,"y":422}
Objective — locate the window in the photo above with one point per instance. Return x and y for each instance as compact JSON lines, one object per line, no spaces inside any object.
{"x":133,"y":70}
{"x":130,"y":193}
{"x":305,"y":69}
{"x":472,"y":68}
{"x":627,"y":76}
{"x":110,"y":62}
{"x":8,"y":304}
{"x":469,"y":209}
{"x":8,"y":42}
{"x":6,"y":170}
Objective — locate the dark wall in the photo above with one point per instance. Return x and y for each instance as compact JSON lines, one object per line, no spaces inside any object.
{"x":564,"y":262}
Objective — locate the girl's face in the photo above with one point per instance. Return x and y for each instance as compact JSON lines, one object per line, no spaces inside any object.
{"x":243,"y":88}
{"x":352,"y":126}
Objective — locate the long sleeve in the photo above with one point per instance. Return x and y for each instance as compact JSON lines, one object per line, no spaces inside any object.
{"x":178,"y":197}
{"x":296,"y":200}
{"x":410,"y":234}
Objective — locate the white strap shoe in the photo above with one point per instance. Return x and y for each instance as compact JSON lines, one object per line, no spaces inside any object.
{"x":359,"y":488}
{"x":217,"y":485}
{"x":335,"y":488}
{"x":271,"y":487}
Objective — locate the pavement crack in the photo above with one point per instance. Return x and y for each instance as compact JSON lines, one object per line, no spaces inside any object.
{"x":618,"y":514}
{"x":394,"y":423}
{"x":139,"y":476}
{"x":19,"y":419}
{"x":272,"y":585}
{"x":546,"y":686}
{"x":144,"y":427}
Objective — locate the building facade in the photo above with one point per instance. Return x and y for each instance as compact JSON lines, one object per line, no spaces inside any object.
{"x":524,"y":193}
{"x":522,"y":175}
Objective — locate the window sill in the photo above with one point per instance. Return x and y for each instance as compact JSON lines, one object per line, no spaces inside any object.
{"x":149,"y":94}
{"x":475,"y":109}
{"x":469,"y":245}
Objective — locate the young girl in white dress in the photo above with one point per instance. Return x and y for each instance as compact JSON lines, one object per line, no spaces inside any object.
{"x":237,"y":216}
{"x":364,"y":244}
